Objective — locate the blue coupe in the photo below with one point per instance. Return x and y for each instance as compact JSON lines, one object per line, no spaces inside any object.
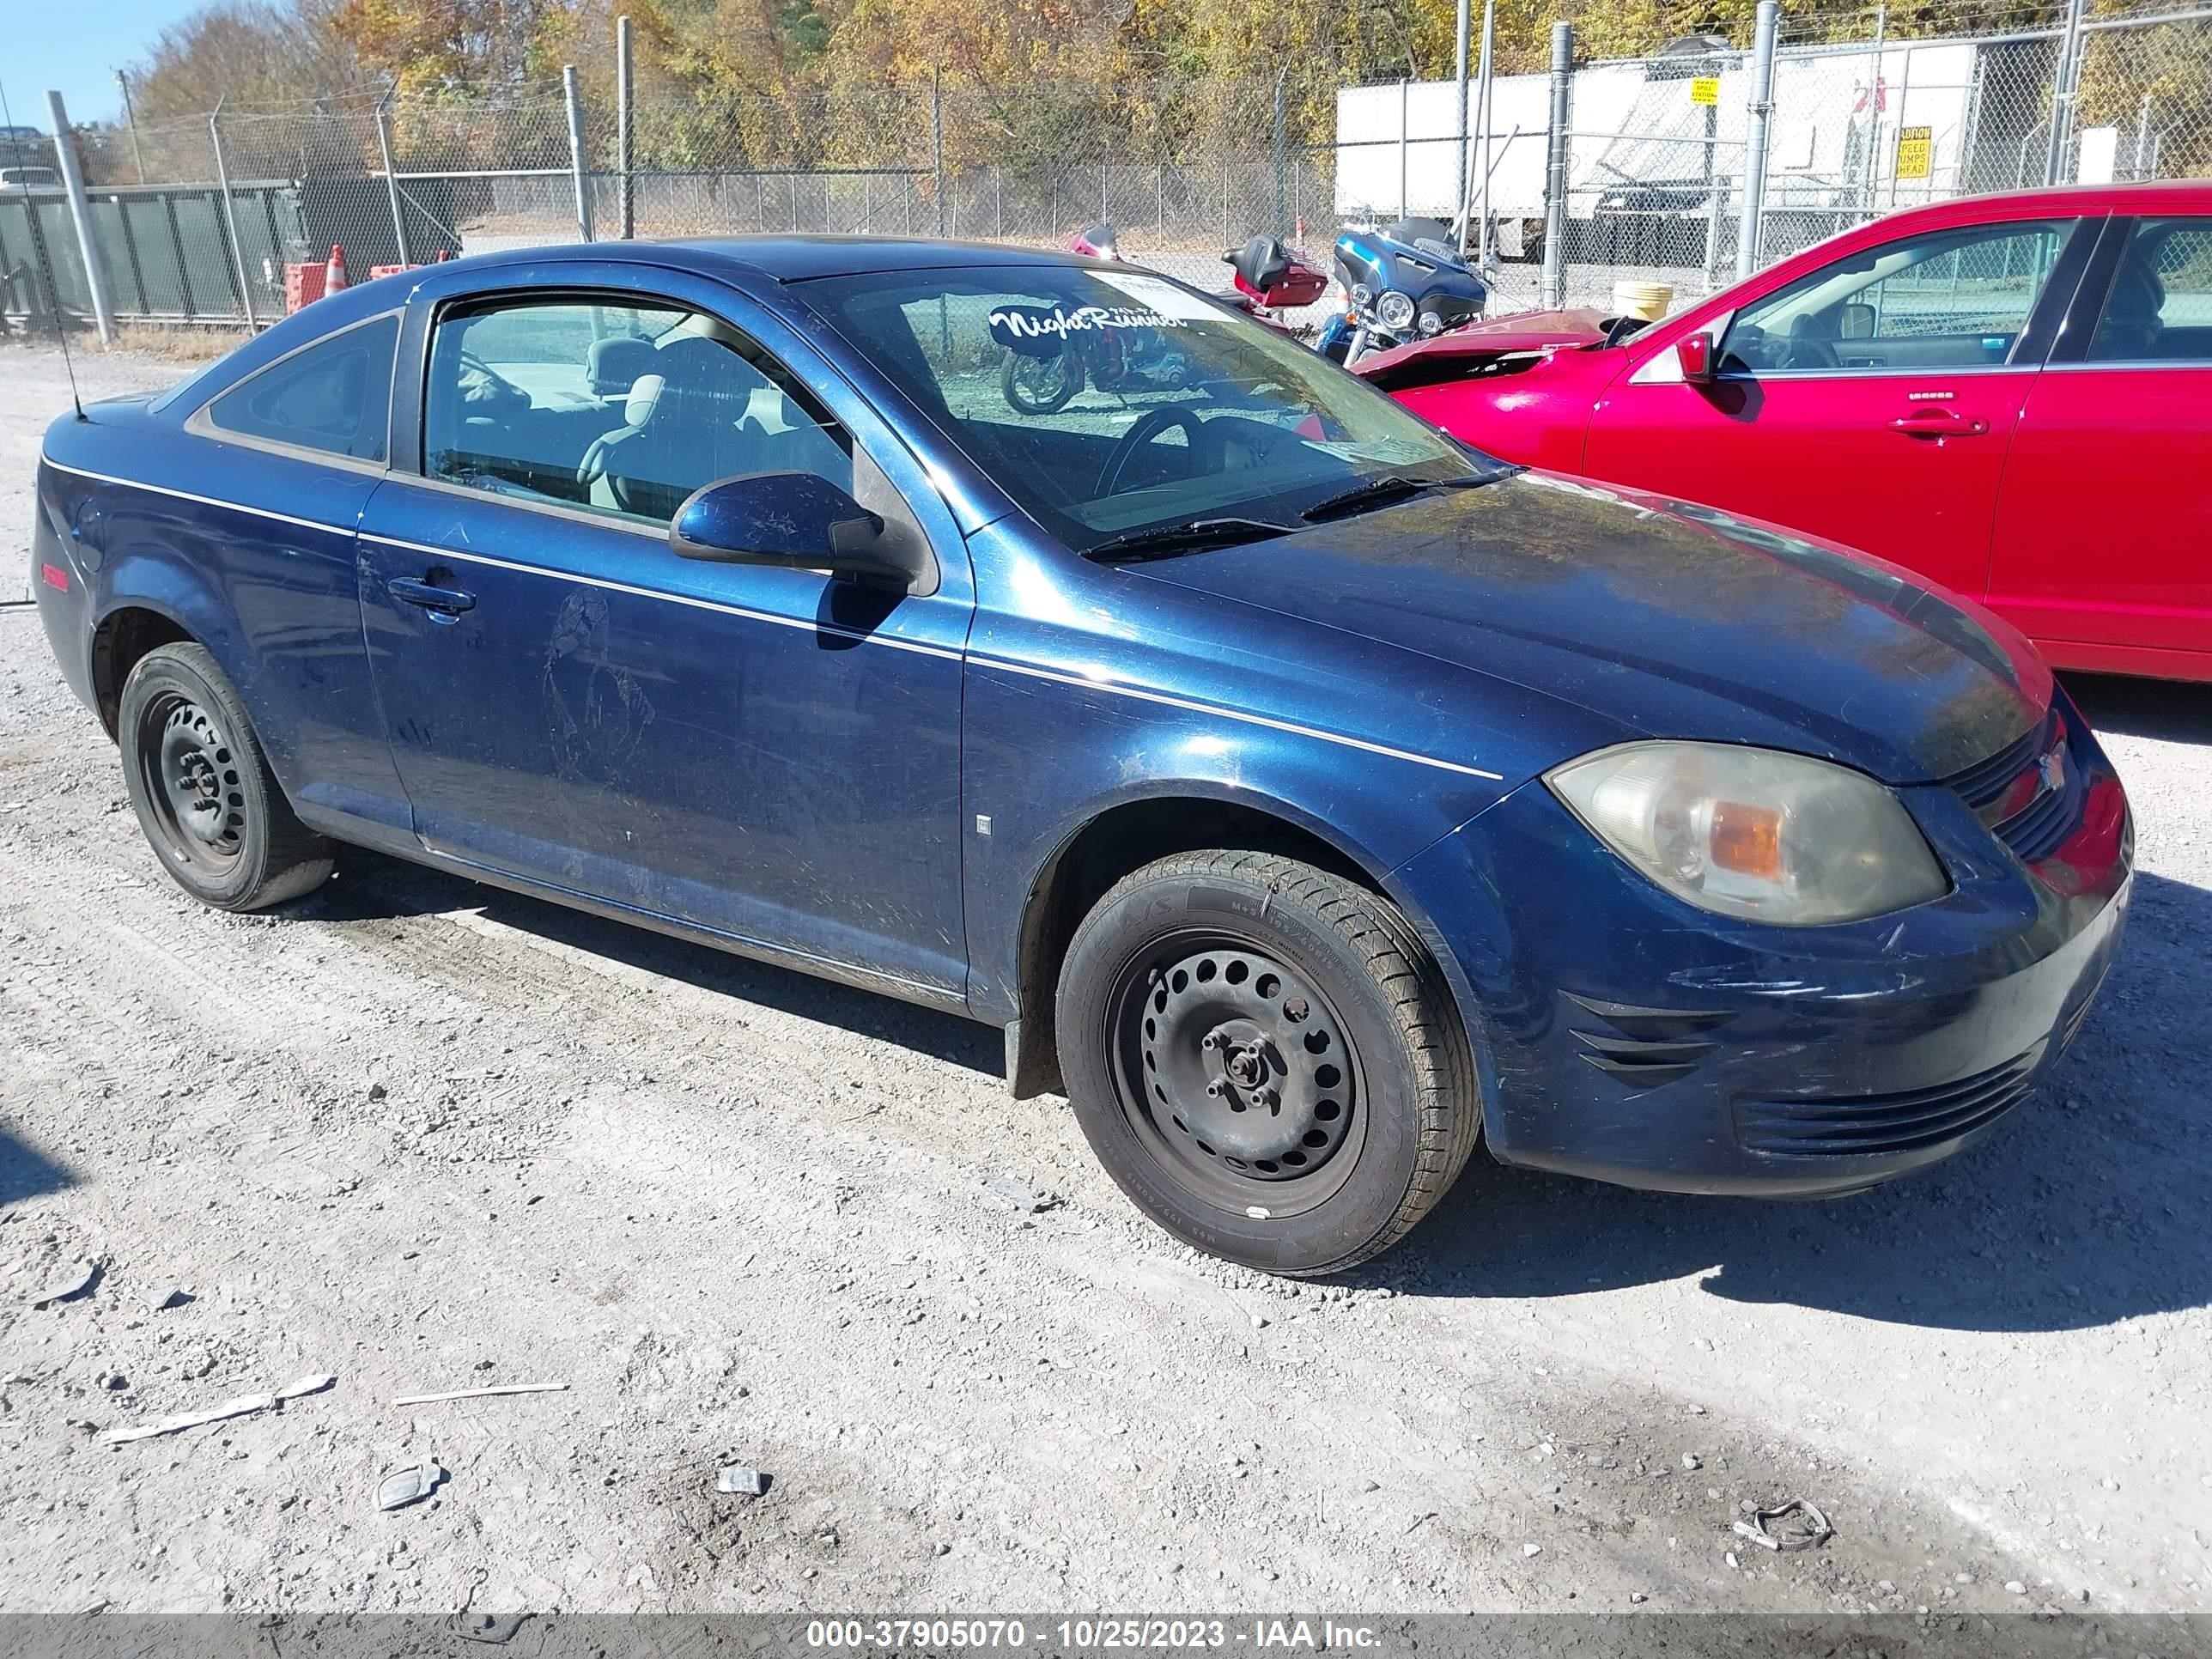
{"x":1308,"y":796}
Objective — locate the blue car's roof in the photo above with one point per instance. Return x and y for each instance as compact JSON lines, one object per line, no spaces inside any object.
{"x":793,"y":259}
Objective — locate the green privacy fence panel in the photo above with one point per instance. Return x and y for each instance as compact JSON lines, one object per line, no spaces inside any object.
{"x":167,"y":249}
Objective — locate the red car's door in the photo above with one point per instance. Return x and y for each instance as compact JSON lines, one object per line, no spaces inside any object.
{"x":1870,"y":400}
{"x":2103,"y":550}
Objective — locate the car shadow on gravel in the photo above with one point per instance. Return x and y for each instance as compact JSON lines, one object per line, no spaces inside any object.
{"x":373,"y":887}
{"x":2086,"y":1207}
{"x":25,"y":1172}
{"x":2167,"y":710}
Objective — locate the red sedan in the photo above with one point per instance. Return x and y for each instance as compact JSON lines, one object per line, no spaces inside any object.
{"x":2009,"y":394}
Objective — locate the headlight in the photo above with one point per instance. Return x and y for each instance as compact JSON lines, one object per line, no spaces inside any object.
{"x":1362,"y":294}
{"x":1752,"y":833}
{"x":1395,"y":310}
{"x":1431,"y":324}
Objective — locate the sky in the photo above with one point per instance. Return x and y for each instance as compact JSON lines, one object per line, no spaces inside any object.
{"x":75,"y":46}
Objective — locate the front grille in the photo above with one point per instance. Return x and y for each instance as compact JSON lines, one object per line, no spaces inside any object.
{"x":2010,"y":793}
{"x":1865,"y":1125}
{"x":1983,"y":785}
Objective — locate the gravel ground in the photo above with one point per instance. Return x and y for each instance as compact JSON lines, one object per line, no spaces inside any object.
{"x":425,"y":1136}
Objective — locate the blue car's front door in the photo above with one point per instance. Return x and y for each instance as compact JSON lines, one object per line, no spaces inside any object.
{"x":764,"y":753}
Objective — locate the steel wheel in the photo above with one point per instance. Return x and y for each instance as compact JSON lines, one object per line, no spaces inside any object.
{"x":211,"y":809}
{"x":192,"y":783}
{"x":1239,"y":1078}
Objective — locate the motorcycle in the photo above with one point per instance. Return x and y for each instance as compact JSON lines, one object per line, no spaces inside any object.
{"x":1404,"y":281}
{"x":1117,"y":360}
{"x":1271,"y":280}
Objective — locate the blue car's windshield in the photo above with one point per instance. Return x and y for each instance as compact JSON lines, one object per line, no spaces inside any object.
{"x":1112,"y":403}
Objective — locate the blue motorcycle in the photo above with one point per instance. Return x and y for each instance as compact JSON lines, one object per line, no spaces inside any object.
{"x":1406,"y":281}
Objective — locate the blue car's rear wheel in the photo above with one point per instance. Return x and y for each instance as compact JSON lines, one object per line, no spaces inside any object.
{"x":204,"y":795}
{"x":1265,"y":1059}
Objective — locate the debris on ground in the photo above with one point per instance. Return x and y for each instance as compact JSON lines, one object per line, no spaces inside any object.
{"x":163,"y":1299}
{"x":71,"y":1285}
{"x":478,"y":1394}
{"x":746,"y":1483}
{"x":1813,"y":1527}
{"x":1020,"y":1195}
{"x":496,"y":1628}
{"x":244,"y":1406}
{"x":410,"y":1484}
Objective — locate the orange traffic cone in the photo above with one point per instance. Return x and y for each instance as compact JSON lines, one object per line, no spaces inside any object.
{"x":334,"y":274}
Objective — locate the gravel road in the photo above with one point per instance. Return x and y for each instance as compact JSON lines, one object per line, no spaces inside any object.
{"x":425,"y":1136}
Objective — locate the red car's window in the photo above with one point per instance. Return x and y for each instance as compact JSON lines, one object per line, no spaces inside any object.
{"x":1945,"y":298}
{"x":2159,"y":308}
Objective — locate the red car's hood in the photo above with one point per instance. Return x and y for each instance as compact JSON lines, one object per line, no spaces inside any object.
{"x":1527,"y":330}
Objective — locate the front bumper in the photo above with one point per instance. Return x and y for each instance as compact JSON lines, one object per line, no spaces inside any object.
{"x":1623,"y":1035}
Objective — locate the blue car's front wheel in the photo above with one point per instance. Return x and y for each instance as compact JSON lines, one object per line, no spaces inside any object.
{"x":1265,"y":1059}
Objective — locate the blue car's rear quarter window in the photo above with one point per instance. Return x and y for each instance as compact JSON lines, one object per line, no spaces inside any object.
{"x":334,"y":396}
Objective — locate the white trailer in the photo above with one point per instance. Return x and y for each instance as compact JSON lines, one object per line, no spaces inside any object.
{"x":1855,"y":132}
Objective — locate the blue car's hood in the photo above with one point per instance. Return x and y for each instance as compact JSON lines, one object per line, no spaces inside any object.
{"x":1672,"y":620}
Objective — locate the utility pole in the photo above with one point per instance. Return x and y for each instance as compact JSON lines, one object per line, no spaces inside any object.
{"x":95,"y":271}
{"x":131,"y":121}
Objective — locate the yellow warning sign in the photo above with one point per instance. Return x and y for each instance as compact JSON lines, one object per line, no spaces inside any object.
{"x":1916,"y":151}
{"x":1706,"y":89}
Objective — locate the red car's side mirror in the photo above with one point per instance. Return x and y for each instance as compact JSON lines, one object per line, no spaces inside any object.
{"x":1694,"y":352}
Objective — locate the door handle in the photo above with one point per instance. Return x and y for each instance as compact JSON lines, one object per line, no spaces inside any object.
{"x":451,"y":601}
{"x":1935,"y":422}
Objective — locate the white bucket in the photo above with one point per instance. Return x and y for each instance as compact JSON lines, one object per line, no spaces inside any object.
{"x":1647,"y":301}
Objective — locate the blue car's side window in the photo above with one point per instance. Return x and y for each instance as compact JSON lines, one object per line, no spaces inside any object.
{"x":333,"y":397}
{"x":624,"y":408}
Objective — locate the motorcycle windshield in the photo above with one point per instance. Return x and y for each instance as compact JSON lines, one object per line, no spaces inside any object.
{"x":1109,"y":402}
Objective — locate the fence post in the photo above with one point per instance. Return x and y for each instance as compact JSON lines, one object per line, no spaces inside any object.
{"x":1555,"y":167}
{"x":230,"y":214}
{"x":2065,"y":87}
{"x":937,"y":138}
{"x":1282,"y":225}
{"x":391,"y":182}
{"x":1487,"y":114}
{"x":131,"y":120}
{"x":1458,"y":74}
{"x":574,"y":100}
{"x":624,"y":138}
{"x":1754,"y":143}
{"x":1403,"y":98}
{"x":95,"y":273}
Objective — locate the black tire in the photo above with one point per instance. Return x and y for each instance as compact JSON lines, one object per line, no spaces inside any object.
{"x":1300,"y":1127}
{"x":206,"y":799}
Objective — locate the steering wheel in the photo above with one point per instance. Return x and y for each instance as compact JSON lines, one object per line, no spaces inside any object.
{"x":1809,"y":351}
{"x":1149,"y":426}
{"x":492,"y":392}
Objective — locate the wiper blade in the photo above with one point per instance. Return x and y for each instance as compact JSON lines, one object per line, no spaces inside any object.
{"x":1189,"y":538}
{"x":1376,"y":491}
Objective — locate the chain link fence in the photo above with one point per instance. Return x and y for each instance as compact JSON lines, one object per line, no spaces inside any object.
{"x":229,"y":220}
